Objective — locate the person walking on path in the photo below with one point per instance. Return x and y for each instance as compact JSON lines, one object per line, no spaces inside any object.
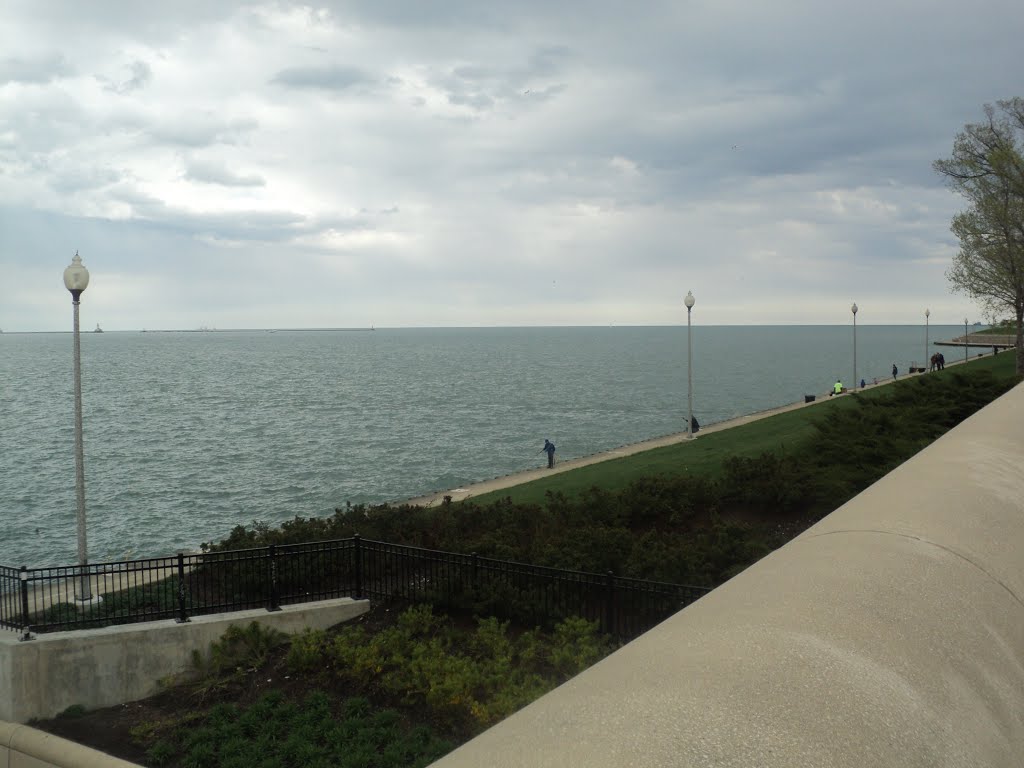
{"x":549,"y":449}
{"x":894,"y":371}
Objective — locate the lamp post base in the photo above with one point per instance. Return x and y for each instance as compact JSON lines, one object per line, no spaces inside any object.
{"x":81,"y":603}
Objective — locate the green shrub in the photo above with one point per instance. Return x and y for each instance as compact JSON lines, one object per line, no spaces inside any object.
{"x":75,"y":710}
{"x":241,"y":648}
{"x":238,"y":651}
{"x":576,"y":645}
{"x":59,"y":613}
{"x":467,"y":682}
{"x":306,"y":652}
{"x":318,"y":732}
{"x":161,"y":753}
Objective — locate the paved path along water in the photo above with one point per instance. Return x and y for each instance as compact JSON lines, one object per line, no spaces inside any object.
{"x":518,"y":478}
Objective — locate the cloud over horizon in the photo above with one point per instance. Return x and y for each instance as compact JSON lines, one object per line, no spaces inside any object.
{"x":256,"y":164}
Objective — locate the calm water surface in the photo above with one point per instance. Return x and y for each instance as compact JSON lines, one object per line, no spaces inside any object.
{"x":190,"y":434}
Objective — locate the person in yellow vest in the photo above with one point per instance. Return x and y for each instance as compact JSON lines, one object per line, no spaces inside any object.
{"x":837,"y":388}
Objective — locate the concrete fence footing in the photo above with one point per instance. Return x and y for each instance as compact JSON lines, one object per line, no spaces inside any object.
{"x":95,"y":668}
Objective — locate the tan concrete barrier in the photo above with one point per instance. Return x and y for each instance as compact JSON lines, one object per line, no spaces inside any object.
{"x":103,"y":667}
{"x":889,"y":634}
{"x":24,"y":747}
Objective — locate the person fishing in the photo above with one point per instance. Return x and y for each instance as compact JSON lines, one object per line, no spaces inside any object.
{"x":549,"y":449}
{"x":837,"y":388}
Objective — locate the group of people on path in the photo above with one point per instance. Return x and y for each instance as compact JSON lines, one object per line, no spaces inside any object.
{"x":937,"y":363}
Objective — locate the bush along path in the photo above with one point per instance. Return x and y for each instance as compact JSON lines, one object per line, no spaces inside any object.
{"x":677,"y":525}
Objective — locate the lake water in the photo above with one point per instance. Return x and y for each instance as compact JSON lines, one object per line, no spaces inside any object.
{"x":190,"y":434}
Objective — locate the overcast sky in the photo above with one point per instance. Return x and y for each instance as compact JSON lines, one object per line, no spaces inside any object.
{"x":464,"y":163}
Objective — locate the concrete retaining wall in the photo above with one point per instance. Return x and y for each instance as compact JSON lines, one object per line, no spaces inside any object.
{"x":24,"y":747}
{"x":889,"y":634}
{"x":103,"y":667}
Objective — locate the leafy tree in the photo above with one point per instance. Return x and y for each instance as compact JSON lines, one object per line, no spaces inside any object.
{"x":987,"y":168}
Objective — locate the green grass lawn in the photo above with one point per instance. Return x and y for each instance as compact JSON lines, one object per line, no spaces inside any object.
{"x":1008,"y":329}
{"x":705,"y":455}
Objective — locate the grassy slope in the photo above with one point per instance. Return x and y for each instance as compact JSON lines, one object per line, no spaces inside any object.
{"x":1009,"y":328}
{"x":705,"y":456}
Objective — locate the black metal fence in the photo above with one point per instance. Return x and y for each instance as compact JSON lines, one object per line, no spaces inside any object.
{"x":47,"y":599}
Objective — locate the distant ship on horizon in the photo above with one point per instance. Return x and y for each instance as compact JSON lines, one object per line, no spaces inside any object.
{"x":98,"y":329}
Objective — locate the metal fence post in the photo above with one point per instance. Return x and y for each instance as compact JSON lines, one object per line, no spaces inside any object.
{"x":275,"y":598}
{"x":26,"y":631}
{"x":476,"y":565}
{"x":358,"y":555}
{"x":609,"y":601}
{"x":182,"y":591}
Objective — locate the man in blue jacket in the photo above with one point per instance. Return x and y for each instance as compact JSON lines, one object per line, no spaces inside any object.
{"x":549,"y":449}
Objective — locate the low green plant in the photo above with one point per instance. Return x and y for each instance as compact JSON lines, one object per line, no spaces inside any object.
{"x":161,"y":753}
{"x":318,"y":732}
{"x":60,"y":613}
{"x":306,"y":651}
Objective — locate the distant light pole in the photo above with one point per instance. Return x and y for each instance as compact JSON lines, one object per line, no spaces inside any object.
{"x":927,"y":314}
{"x":965,"y":339}
{"x":76,"y":279}
{"x":689,"y":301}
{"x":854,"y":310}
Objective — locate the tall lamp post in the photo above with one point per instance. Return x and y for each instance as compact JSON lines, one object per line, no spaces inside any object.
{"x":689,"y":301}
{"x":76,"y":279}
{"x":927,"y":314}
{"x":965,"y":339}
{"x":853,"y":309}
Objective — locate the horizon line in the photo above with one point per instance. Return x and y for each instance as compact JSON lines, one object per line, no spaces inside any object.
{"x":310,"y":329}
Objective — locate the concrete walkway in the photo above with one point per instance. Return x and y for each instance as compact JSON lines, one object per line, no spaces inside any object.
{"x":518,"y":478}
{"x":982,"y":340}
